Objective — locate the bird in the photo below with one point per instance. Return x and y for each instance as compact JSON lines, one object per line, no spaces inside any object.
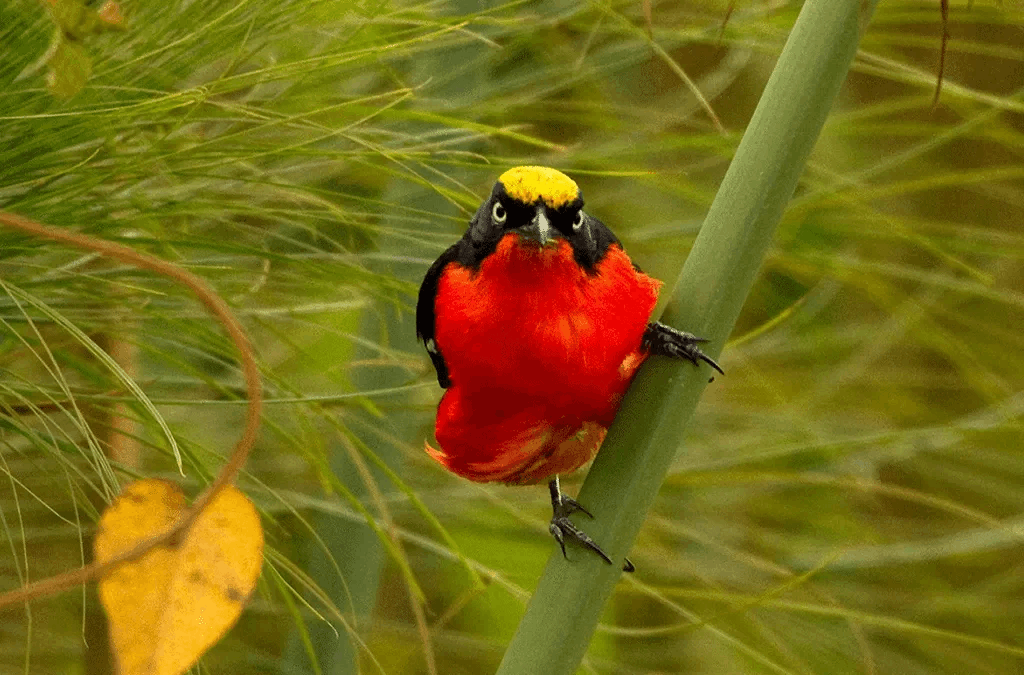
{"x":535,"y":322}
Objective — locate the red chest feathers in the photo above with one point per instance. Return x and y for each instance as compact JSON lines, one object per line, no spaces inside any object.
{"x":532,"y":322}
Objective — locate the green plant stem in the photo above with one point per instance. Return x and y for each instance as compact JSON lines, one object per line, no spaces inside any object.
{"x":620,"y":488}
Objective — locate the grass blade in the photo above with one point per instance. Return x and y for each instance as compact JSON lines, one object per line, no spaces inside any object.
{"x":563,"y":613}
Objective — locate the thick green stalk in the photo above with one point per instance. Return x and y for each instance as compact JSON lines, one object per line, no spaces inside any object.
{"x":561,"y":618}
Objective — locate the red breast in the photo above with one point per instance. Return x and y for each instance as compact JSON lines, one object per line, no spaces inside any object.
{"x":540,"y":352}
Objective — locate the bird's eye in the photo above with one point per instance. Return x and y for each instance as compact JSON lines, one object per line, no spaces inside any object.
{"x":498,"y":213}
{"x":577,"y":222}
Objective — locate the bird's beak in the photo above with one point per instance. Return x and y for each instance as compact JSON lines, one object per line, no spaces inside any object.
{"x":539,"y":229}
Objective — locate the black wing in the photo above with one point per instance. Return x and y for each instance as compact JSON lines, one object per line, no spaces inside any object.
{"x":425,"y":313}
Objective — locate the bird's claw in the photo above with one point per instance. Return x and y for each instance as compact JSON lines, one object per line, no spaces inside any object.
{"x":667,"y":341}
{"x":567,"y":505}
{"x":563,"y":529}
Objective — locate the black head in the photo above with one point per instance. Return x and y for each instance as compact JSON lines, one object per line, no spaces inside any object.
{"x":542,"y":205}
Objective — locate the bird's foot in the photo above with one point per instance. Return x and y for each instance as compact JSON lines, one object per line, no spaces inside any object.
{"x":563,"y":529}
{"x":667,"y":341}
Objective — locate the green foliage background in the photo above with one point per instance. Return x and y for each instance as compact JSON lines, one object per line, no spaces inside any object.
{"x":850,"y":498}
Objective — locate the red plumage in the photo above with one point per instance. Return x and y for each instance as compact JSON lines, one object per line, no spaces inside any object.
{"x":540,"y":352}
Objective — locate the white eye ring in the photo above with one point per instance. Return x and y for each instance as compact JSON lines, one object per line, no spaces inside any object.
{"x":498,"y":213}
{"x":577,"y":222}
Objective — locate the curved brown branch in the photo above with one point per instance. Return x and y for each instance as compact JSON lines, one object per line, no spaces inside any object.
{"x":253,"y":386}
{"x":944,"y":9}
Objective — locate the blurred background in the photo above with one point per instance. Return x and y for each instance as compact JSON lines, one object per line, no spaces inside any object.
{"x":850,"y":496}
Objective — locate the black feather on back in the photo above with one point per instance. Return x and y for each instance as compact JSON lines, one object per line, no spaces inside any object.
{"x":425,"y":312}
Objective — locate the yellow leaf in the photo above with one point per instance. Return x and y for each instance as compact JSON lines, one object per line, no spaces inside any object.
{"x":169,"y":606}
{"x":69,"y":68}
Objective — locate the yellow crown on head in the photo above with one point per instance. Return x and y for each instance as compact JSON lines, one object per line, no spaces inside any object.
{"x":531,"y":184}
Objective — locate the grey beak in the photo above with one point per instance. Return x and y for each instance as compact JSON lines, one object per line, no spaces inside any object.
{"x":539,"y":229}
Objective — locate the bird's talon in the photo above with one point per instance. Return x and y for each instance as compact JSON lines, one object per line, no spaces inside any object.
{"x":667,"y":341}
{"x":562,"y":528}
{"x":570,"y":505}
{"x":556,"y":532}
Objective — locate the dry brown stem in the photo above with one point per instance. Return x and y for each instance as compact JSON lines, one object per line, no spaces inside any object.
{"x":254,"y":391}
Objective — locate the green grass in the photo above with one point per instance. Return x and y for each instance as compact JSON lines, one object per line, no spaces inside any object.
{"x":708,"y":297}
{"x":847,"y":498}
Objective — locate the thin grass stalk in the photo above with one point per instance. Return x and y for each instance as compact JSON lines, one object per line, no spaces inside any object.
{"x":562,"y":615}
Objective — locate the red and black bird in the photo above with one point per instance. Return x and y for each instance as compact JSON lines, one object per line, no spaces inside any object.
{"x":536,"y":321}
